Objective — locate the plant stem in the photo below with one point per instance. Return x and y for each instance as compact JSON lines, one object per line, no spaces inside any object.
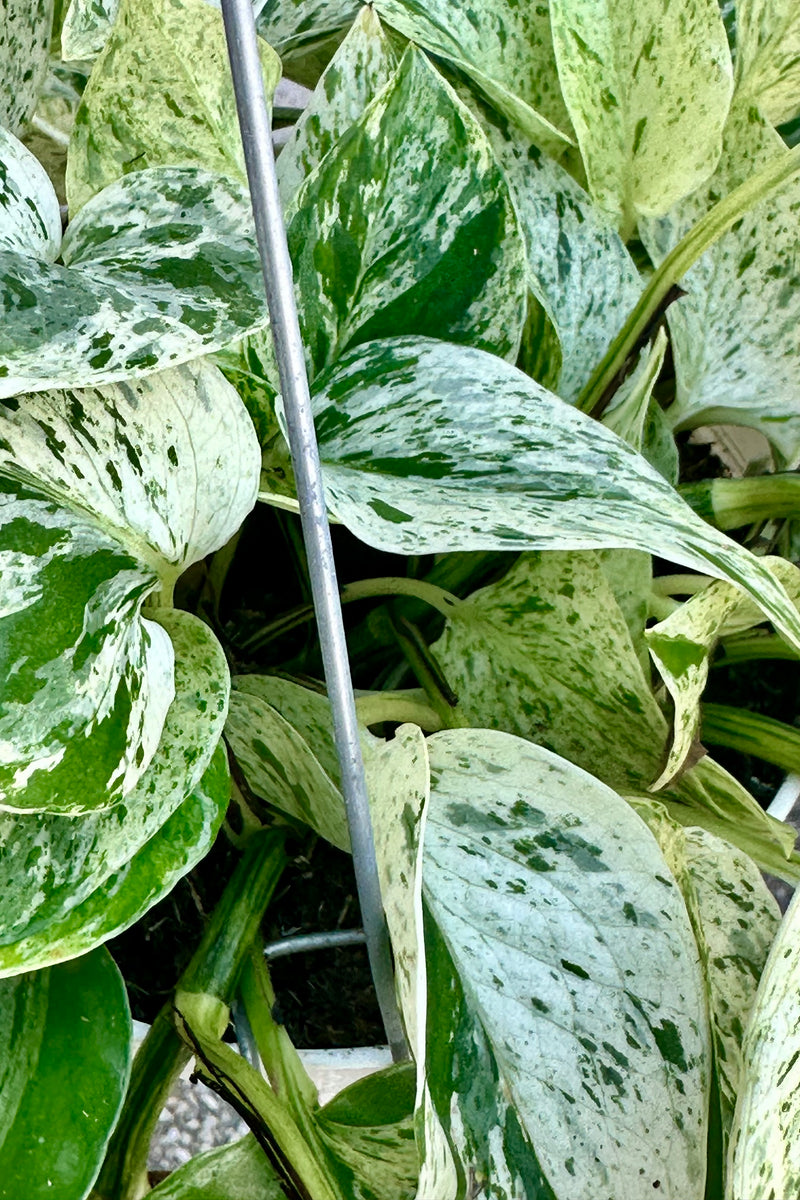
{"x":752,"y":733}
{"x":752,"y":646}
{"x":427,"y":670}
{"x":398,"y":707}
{"x":444,"y":602}
{"x":666,"y":277}
{"x":731,"y":503}
{"x":680,"y":585}
{"x":215,"y":969}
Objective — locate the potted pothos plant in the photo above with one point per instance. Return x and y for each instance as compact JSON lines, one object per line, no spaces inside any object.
{"x":533,"y":246}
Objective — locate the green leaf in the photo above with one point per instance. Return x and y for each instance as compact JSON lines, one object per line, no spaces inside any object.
{"x":86,"y":28}
{"x":86,"y":681}
{"x":50,"y":865}
{"x":281,"y":766}
{"x":426,"y":242}
{"x":768,"y":57}
{"x":737,"y":358}
{"x":74,"y":1035}
{"x":361,"y":66}
{"x":682,"y":644}
{"x":648,"y":90}
{"x":506,"y":49}
{"x":426,"y":450}
{"x":154,"y":460}
{"x":307,"y":709}
{"x":735,"y":918}
{"x":305,"y":33}
{"x":567,"y":1038}
{"x":239,"y":1171}
{"x":765,"y":1157}
{"x":578,"y":267}
{"x":158,"y":269}
{"x":546,"y":654}
{"x":173,"y":104}
{"x":752,"y":733}
{"x":24,"y":46}
{"x":31,"y":218}
{"x":629,"y":409}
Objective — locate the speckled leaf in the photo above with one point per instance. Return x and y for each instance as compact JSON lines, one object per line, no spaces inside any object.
{"x":160,"y":94}
{"x":239,"y":1171}
{"x":158,"y":269}
{"x":735,"y":918}
{"x":648,"y":88}
{"x":124,"y":897}
{"x":47,"y":135}
{"x":765,"y":1141}
{"x":307,"y":709}
{"x":306,"y":33}
{"x":567,"y":1036}
{"x":281,"y":767}
{"x":31,"y":223}
{"x":427,"y":449}
{"x":546,"y":654}
{"x":49,"y":863}
{"x":578,"y":267}
{"x":506,"y":49}
{"x":734,"y":336}
{"x":362,"y":65}
{"x":86,"y":28}
{"x":77,"y":1035}
{"x":423,"y":242}
{"x":768,"y":56}
{"x":627,"y":414}
{"x":168,"y":464}
{"x":681,"y":647}
{"x":24,"y":45}
{"x":86,"y":682}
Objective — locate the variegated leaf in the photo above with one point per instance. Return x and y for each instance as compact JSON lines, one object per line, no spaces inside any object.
{"x":86,"y":682}
{"x":173,"y":104}
{"x":567,"y":1041}
{"x":648,"y":88}
{"x":47,"y":134}
{"x":49,"y":864}
{"x":427,"y":449}
{"x":24,"y":44}
{"x":158,"y":269}
{"x":306,"y":709}
{"x":238,"y":1171}
{"x":305,"y":32}
{"x":31,"y":223}
{"x":506,"y":49}
{"x":86,"y":28}
{"x":578,"y":267}
{"x":546,"y":654}
{"x":627,"y":414}
{"x":768,"y":56}
{"x":362,"y":65}
{"x":168,"y":465}
{"x":124,"y":897}
{"x":281,"y":767}
{"x":630,"y":576}
{"x":765,"y":1141}
{"x":423,"y":242}
{"x":681,"y":647}
{"x":734,"y":336}
{"x":74,"y":1035}
{"x":735,"y":918}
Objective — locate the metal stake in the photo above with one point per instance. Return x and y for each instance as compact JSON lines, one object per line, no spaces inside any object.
{"x":240,"y":32}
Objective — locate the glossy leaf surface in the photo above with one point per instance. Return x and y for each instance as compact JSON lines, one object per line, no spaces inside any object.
{"x":24,"y":43}
{"x":159,"y":94}
{"x":76,"y":1034}
{"x":425,"y":242}
{"x":567,"y":1039}
{"x":648,"y":89}
{"x":239,"y":1171}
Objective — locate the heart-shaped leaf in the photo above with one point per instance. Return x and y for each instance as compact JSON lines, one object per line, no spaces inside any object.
{"x":71,"y":1053}
{"x":648,"y":91}
{"x":24,"y":45}
{"x":173,"y":104}
{"x":50,"y":864}
{"x":158,"y":268}
{"x":423,"y":242}
{"x":426,"y":450}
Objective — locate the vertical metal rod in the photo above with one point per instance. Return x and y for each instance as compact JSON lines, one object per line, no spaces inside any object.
{"x":240,"y":33}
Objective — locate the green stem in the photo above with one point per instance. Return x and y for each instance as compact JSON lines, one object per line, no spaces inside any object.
{"x":753,"y":646}
{"x":680,"y":585}
{"x":215,"y":968}
{"x":661,"y":607}
{"x":666,"y":277}
{"x":428,"y":672}
{"x":752,"y":733}
{"x":444,"y":602}
{"x":731,"y":503}
{"x":398,"y":707}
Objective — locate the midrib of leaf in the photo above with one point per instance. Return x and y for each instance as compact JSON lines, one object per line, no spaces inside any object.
{"x":705,"y":233}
